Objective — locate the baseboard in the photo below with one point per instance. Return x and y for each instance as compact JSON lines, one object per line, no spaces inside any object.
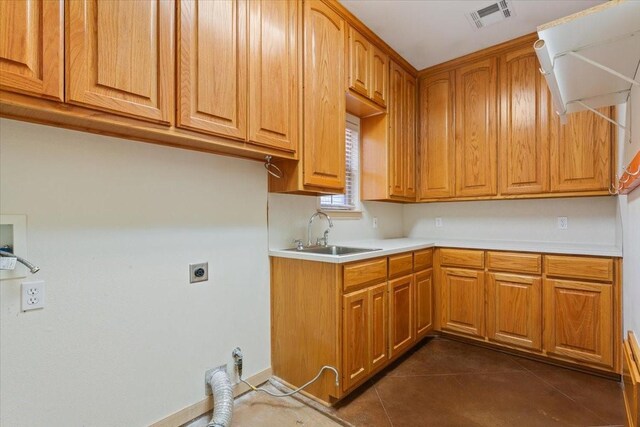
{"x":631,"y":379}
{"x":187,"y":414}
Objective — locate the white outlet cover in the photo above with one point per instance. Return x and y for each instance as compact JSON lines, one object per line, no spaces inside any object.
{"x":438,"y":222}
{"x":32,"y":295}
{"x":375,"y":222}
{"x":563,"y":222}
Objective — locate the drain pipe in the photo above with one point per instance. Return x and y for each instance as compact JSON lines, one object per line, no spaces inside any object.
{"x":222,"y":391}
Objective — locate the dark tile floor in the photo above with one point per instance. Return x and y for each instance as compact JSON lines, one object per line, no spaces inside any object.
{"x":448,"y":383}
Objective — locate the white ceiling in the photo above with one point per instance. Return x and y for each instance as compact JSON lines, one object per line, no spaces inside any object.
{"x":428,"y":32}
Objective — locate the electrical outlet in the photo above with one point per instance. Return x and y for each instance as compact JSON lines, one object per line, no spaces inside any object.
{"x":375,"y":222}
{"x":199,"y":272}
{"x":563,"y":222}
{"x":438,"y":222}
{"x":32,"y":295}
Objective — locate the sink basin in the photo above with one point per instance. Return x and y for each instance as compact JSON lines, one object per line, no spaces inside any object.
{"x":333,"y":250}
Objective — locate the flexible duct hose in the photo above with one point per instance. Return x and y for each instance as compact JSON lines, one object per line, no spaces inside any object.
{"x":222,"y":398}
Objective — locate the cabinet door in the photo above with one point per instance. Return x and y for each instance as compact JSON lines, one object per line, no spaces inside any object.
{"x":436,"y":144}
{"x":355,"y":337}
{"x":409,"y":120}
{"x":324,"y":97}
{"x":463,"y":301}
{"x":401,"y":306}
{"x":120,"y":57}
{"x":273,"y":73}
{"x":31,"y":47}
{"x":476,"y":128}
{"x":578,"y":319}
{"x":581,"y":152}
{"x":360,"y":54}
{"x":514,"y":310}
{"x":378,"y":326}
{"x":424,"y":302}
{"x":396,"y":132}
{"x":379,"y":76}
{"x":524,"y":145}
{"x":212,"y":68}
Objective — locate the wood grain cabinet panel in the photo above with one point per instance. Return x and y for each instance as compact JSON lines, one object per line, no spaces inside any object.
{"x":32,"y":47}
{"x":579,"y":267}
{"x":579,"y":321}
{"x":514,"y":310}
{"x":360,"y":54}
{"x":422,"y":259}
{"x":436,"y":143}
{"x":514,"y":262}
{"x":424,"y":302}
{"x":379,"y":76}
{"x":355,"y":332}
{"x":476,"y":128}
{"x":410,"y":99}
{"x":274,"y":88}
{"x":581,"y":152}
{"x":378,"y":326}
{"x":397,"y":149}
{"x":400,"y":265}
{"x":120,"y":57}
{"x":401,"y":314}
{"x":364,"y":272}
{"x":524,"y":145}
{"x":324,"y":97}
{"x":467,"y":258}
{"x":462,"y":301}
{"x":212,"y":72}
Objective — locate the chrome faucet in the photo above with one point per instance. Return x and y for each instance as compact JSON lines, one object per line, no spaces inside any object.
{"x":321,"y":241}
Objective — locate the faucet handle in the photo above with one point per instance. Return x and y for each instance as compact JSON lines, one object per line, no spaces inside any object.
{"x":299,"y":244}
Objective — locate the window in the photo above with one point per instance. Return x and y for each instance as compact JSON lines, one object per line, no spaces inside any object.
{"x":350,"y":201}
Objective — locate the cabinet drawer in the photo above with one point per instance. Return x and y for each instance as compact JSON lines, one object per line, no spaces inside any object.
{"x":422,"y":259}
{"x":516,"y":262}
{"x":400,"y":264}
{"x":462,"y":258}
{"x":579,"y":267}
{"x":364,"y":272}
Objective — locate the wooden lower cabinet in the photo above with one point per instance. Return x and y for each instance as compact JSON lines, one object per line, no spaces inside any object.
{"x":462,"y":301}
{"x":514,"y":310}
{"x":579,"y":320}
{"x":364,"y":333}
{"x":423,"y":282}
{"x":401,"y":326}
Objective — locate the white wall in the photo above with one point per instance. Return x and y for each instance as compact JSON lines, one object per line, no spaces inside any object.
{"x":591,"y":220}
{"x":630,"y":215}
{"x":124,"y":339}
{"x":289,"y":215}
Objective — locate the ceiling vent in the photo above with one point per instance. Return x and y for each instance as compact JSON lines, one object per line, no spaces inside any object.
{"x":490,"y":14}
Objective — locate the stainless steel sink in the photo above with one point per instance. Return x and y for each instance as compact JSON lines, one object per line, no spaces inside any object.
{"x":333,"y":250}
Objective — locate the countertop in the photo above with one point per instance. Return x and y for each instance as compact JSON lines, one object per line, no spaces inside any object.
{"x":394,"y":246}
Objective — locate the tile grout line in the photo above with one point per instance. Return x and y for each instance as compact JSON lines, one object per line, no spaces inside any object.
{"x":564,"y":394}
{"x":382,"y":404}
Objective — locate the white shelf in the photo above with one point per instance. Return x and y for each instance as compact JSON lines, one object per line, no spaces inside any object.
{"x":608,"y":36}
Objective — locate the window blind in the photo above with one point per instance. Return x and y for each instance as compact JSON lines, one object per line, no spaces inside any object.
{"x":348,"y":200}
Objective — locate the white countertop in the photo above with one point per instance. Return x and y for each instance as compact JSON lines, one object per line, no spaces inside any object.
{"x":394,"y":246}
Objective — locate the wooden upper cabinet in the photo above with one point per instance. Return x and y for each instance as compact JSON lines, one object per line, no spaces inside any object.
{"x":514,"y":310}
{"x":32,"y":47}
{"x":476,"y":128}
{"x":274,"y":89}
{"x":120,"y":57}
{"x":436,"y":143}
{"x":410,"y":122}
{"x":212,"y":67}
{"x":581,"y":152}
{"x":324,"y":97}
{"x":360,"y":55}
{"x":524,"y":145}
{"x":397,"y":152}
{"x":379,"y":76}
